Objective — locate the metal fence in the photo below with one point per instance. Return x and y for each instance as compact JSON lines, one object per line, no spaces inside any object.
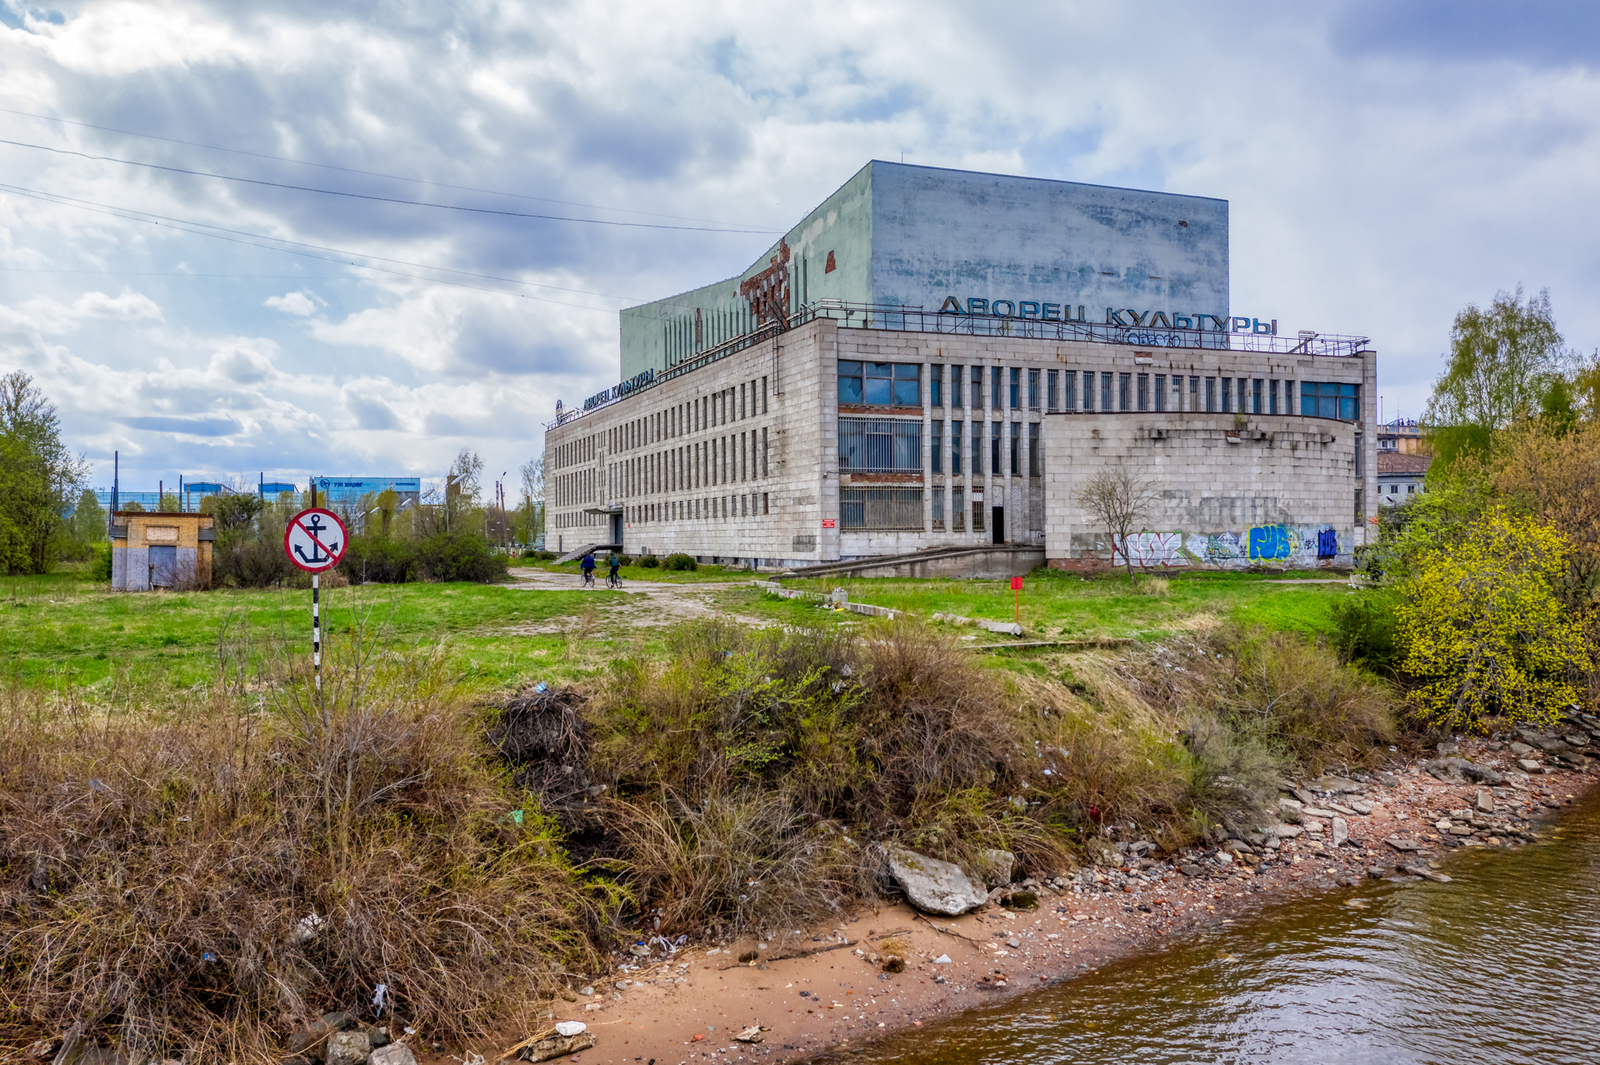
{"x":880,"y":508}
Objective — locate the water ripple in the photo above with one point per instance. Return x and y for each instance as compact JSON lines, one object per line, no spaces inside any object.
{"x":1499,"y":967}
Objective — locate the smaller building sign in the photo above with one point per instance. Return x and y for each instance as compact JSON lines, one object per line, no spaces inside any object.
{"x":829,"y":523}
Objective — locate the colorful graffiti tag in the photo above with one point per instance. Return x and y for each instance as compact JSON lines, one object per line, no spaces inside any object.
{"x":1302,"y":545}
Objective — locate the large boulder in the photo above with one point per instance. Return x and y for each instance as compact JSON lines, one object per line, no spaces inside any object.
{"x":933,"y":886}
{"x":1457,"y":770}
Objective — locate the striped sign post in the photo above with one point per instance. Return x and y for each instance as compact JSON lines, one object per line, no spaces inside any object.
{"x":315,"y":541}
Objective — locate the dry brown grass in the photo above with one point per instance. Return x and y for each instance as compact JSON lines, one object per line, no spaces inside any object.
{"x":751,"y":769}
{"x":157,"y":873}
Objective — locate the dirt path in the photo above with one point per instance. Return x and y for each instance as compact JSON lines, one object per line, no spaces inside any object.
{"x":641,"y":603}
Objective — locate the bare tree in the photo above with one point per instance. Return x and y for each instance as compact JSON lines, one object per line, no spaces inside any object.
{"x":533,"y":497}
{"x":1121,"y":500}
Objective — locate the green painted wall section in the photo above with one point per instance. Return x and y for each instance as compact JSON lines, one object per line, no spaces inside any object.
{"x":661,"y":334}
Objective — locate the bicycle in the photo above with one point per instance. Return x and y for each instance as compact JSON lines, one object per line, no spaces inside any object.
{"x":614,"y":580}
{"x":588,"y":578}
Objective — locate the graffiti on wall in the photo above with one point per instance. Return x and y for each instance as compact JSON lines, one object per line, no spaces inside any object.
{"x":1293,"y":545}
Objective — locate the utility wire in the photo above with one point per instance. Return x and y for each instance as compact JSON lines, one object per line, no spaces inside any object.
{"x":311,"y":252}
{"x":375,"y":198}
{"x":364,"y":173}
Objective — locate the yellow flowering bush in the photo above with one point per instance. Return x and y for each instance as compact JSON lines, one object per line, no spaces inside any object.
{"x":1482,"y":630}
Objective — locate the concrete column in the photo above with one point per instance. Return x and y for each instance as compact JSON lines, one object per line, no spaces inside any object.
{"x":966,"y":466}
{"x":926,"y":388}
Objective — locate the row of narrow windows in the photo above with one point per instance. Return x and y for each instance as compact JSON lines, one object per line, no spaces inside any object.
{"x":894,"y":445}
{"x":746,"y":505}
{"x":733,"y":457}
{"x":747,"y":399}
{"x":899,"y":384}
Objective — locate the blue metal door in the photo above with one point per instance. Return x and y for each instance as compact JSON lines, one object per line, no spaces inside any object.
{"x":163,"y":566}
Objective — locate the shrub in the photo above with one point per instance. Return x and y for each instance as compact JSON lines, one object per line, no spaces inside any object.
{"x":1483,"y":630}
{"x":378,"y":560}
{"x":750,"y":764}
{"x":249,"y":562}
{"x":649,"y":562}
{"x":1364,"y":629}
{"x":681,"y":561}
{"x":100,"y":569}
{"x":459,"y":557}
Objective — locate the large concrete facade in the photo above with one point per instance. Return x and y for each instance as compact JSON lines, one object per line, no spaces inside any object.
{"x":756,"y":456}
{"x":914,"y":236}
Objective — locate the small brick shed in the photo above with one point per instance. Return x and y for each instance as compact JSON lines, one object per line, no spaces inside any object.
{"x":160,"y":549}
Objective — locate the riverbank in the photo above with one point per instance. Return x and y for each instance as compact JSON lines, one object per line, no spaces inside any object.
{"x":827,"y":988}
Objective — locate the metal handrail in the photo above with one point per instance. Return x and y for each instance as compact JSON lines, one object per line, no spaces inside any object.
{"x":921,"y":320}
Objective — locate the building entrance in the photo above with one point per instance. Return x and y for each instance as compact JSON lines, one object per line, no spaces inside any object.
{"x":998,"y":523}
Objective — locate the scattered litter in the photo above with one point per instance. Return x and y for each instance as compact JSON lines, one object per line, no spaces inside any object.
{"x":379,"y":993}
{"x":308,"y":926}
{"x":541,"y":687}
{"x":571,"y":1028}
{"x":943,"y":959}
{"x":751,"y":1034}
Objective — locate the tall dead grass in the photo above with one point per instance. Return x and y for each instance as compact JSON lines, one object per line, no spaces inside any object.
{"x":751,"y":769}
{"x":200,"y":881}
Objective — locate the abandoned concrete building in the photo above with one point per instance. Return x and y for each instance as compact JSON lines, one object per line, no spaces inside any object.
{"x":935,"y":361}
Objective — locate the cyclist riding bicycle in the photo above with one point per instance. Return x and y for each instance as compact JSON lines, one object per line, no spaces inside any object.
{"x":587,"y":565}
{"x":614,"y":579}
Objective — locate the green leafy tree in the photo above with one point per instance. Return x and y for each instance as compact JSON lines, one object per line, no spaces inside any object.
{"x":1503,"y":362}
{"x":1483,"y":629}
{"x":39,"y":477}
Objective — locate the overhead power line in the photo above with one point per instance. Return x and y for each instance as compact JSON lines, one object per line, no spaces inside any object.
{"x":368,"y":173}
{"x":312,"y":251}
{"x":375,"y":198}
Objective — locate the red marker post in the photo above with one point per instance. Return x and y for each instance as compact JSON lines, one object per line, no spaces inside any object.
{"x":315,"y":541}
{"x":1016,"y":588}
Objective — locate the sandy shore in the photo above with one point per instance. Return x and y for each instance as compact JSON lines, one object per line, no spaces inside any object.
{"x":825,"y":987}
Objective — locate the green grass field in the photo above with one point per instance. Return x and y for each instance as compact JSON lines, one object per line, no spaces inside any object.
{"x":64,"y":630}
{"x":1058,"y":605}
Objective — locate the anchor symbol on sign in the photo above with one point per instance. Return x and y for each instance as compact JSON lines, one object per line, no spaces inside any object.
{"x":313,"y":527}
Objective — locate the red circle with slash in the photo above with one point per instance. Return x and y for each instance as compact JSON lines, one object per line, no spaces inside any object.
{"x":315,"y":540}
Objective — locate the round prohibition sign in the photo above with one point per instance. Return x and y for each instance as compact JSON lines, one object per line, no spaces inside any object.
{"x":315,"y":540}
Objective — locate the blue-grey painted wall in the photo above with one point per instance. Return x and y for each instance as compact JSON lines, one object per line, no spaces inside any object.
{"x":915,"y":235}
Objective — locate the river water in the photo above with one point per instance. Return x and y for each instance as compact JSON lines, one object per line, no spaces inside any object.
{"x":1501,"y":965}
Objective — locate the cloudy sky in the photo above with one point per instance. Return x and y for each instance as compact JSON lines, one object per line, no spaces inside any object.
{"x":1386,"y":163}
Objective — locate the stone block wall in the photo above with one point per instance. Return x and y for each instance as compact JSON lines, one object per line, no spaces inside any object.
{"x":1234,"y":491}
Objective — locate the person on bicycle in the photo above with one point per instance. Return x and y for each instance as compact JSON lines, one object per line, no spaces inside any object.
{"x":615,"y":577}
{"x":587,"y":565}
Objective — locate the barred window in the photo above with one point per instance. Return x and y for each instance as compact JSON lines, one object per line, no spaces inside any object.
{"x":880,"y":445}
{"x":880,"y":508}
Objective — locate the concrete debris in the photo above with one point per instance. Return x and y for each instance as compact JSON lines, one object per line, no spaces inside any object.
{"x":556,"y":1045}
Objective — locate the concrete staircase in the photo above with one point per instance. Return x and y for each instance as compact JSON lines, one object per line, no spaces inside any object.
{"x":577,"y":553}
{"x":985,"y":561}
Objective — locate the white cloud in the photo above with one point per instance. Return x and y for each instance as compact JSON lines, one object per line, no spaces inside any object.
{"x":1372,"y":190}
{"x":300,"y":303}
{"x":127,"y":307}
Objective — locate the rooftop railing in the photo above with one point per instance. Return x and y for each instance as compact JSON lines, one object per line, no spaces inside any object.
{"x":922,"y":320}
